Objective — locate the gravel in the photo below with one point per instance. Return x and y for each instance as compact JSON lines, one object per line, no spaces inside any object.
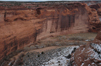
{"x":54,"y":57}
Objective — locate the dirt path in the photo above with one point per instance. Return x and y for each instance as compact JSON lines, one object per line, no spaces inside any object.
{"x":44,"y":49}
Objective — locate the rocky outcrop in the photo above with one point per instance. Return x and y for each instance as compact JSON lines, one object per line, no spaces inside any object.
{"x":14,"y":15}
{"x":95,"y":17}
{"x":99,"y":11}
{"x":89,"y":54}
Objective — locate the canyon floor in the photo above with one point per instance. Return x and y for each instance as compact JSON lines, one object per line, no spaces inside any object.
{"x":49,"y":51}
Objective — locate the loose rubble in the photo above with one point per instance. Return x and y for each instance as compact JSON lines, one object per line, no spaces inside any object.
{"x":55,"y":57}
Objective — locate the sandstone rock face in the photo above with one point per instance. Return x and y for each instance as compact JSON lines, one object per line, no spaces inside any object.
{"x":16,"y":35}
{"x":89,"y":54}
{"x":14,"y":15}
{"x":19,"y":28}
{"x":99,"y":11}
{"x":65,"y":20}
{"x":95,"y":18}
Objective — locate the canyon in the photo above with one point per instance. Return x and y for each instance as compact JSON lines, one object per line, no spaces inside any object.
{"x":21,"y":26}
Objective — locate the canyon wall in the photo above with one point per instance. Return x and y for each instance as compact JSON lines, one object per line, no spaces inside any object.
{"x":17,"y":31}
{"x":19,"y":28}
{"x":65,"y":22}
{"x":95,"y":17}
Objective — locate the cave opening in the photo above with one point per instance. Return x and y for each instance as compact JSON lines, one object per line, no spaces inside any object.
{"x":93,"y":28}
{"x":18,"y":19}
{"x":38,"y":11}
